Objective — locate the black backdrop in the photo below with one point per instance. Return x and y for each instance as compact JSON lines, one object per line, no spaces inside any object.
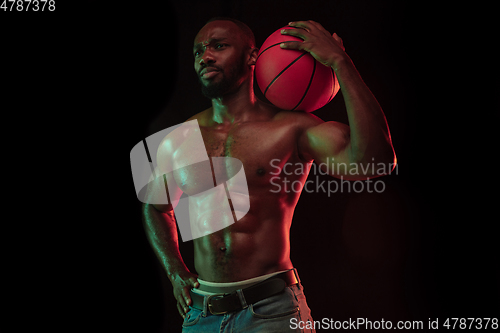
{"x":424,"y":248}
{"x":421,"y":249}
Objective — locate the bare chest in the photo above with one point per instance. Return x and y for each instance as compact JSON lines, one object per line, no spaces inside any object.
{"x":258,"y":147}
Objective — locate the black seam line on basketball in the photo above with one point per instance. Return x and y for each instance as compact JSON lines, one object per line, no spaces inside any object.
{"x":277,"y":76}
{"x":308,"y":86}
{"x":267,"y":48}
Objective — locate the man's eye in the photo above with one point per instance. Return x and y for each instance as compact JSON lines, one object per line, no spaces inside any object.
{"x":220,"y":46}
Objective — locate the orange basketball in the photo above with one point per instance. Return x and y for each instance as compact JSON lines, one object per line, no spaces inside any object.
{"x":293,"y":79}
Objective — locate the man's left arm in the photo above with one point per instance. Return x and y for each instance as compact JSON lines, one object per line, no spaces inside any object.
{"x":366,"y":141}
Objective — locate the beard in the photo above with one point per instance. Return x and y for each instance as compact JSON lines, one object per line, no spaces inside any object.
{"x":226,"y":83}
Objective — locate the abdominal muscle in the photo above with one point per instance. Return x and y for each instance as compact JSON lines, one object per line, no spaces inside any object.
{"x":255,"y":245}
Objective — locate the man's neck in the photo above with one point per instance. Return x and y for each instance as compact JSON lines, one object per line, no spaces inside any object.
{"x":235,"y":107}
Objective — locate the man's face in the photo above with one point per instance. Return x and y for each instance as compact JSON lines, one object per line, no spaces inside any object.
{"x":220,"y":58}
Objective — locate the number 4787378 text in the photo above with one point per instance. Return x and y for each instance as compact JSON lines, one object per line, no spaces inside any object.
{"x":28,"y":5}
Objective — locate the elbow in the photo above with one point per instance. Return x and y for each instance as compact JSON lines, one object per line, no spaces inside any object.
{"x":391,"y":153}
{"x":391,"y":157}
{"x":388,"y":156}
{"x":394,"y":161}
{"x":386,"y":153}
{"x":386,"y":162}
{"x":382,"y":164}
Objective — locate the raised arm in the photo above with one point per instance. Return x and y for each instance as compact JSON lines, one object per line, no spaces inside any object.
{"x":366,"y":141}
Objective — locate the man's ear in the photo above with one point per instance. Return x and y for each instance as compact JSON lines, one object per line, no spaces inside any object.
{"x":253,"y":56}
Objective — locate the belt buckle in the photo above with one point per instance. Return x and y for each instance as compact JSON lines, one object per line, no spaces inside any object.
{"x":210,"y":305}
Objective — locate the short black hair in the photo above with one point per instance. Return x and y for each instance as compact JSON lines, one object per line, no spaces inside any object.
{"x":247,"y":32}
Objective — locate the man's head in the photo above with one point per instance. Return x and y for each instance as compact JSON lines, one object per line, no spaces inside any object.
{"x":224,"y":54}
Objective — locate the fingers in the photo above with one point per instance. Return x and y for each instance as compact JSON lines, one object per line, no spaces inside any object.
{"x":305,"y":30}
{"x":292,"y":45}
{"x":184,"y":300}
{"x":308,"y":25}
{"x":301,"y":33}
{"x":181,"y":310}
{"x":181,"y":293}
{"x":183,"y":303}
{"x":308,"y":31}
{"x":318,"y":25}
{"x":185,"y":292}
{"x":194,"y":282}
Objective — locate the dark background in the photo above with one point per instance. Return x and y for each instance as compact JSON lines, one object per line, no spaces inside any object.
{"x":424,"y":248}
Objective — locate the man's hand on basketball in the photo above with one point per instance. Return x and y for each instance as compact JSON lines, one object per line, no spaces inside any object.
{"x":324,"y":47}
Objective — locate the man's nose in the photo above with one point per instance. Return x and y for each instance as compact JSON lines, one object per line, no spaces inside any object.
{"x":207,"y":58}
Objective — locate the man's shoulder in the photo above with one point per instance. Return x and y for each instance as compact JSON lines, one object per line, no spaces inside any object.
{"x":300,"y":119}
{"x":180,"y":132}
{"x":201,"y":117}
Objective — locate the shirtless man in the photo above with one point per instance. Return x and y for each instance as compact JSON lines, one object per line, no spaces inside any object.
{"x":239,"y":125}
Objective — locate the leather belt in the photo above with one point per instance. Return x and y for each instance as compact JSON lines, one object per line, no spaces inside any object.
{"x":240,"y":299}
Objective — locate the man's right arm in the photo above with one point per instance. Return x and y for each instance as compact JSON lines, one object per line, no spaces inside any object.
{"x":161,"y":230}
{"x":160,"y":225}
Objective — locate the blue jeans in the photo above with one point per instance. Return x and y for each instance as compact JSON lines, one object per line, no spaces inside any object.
{"x":272,"y":314}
